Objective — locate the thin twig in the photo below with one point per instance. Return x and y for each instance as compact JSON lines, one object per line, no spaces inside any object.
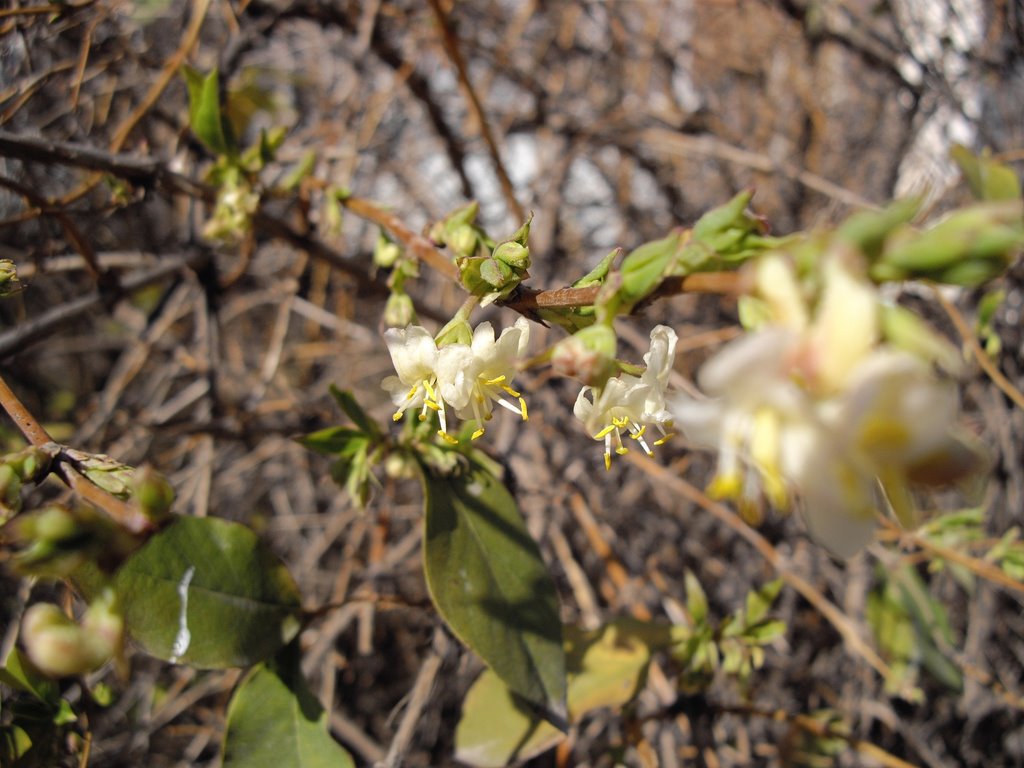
{"x":968,"y":337}
{"x":451,"y":47}
{"x":36,"y":328}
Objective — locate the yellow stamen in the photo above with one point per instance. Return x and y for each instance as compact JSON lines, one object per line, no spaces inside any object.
{"x":492,"y":382}
{"x":477,"y":433}
{"x":665,"y":439}
{"x":510,"y":391}
{"x":605,"y":431}
{"x":396,"y":416}
{"x":622,"y":450}
{"x":448,"y":438}
{"x":607,"y":462}
{"x":522,"y":405}
{"x":639,"y":433}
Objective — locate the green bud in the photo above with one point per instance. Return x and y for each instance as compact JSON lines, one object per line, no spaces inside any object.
{"x":152,"y":493}
{"x":59,"y":647}
{"x":868,"y":230}
{"x":587,"y":355}
{"x":514,"y":255}
{"x":645,"y":267}
{"x":496,"y":274}
{"x":457,"y":331}
{"x":399,"y":311}
{"x":9,"y":283}
{"x":109,"y":474}
{"x":463,"y":241}
{"x":969,"y":247}
{"x":10,"y":492}
{"x":32,"y":464}
{"x":385,"y":252}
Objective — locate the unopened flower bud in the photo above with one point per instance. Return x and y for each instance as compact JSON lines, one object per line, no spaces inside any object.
{"x":399,"y":310}
{"x":59,"y":647}
{"x":9,"y":283}
{"x":385,"y":252}
{"x":463,"y":240}
{"x":513,"y":254}
{"x":152,"y":492}
{"x":588,"y":355}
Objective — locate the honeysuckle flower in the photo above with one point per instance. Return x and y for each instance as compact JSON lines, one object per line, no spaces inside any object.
{"x":630,"y":403}
{"x":475,"y":377}
{"x":816,"y":411}
{"x":414,"y":354}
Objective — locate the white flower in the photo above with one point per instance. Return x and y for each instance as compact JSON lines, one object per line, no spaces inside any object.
{"x":630,"y":403}
{"x":840,"y":457}
{"x":414,"y":355}
{"x":472,"y":378}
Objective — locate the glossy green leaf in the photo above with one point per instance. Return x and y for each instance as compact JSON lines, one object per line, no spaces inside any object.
{"x":489,"y":583}
{"x":274,"y":721}
{"x":606,"y":668}
{"x":209,"y":593}
{"x":204,"y":111}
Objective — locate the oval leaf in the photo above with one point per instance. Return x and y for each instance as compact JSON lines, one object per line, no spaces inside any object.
{"x":606,"y":669}
{"x":209,"y":593}
{"x":274,"y":721}
{"x":489,"y":583}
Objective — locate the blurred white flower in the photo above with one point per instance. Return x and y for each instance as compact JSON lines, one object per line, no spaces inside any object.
{"x":820,"y":411}
{"x":473,"y":378}
{"x":630,"y":403}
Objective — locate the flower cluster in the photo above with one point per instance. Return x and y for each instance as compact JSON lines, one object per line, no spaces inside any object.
{"x":470,"y":378}
{"x":821,"y":406}
{"x":629,"y":403}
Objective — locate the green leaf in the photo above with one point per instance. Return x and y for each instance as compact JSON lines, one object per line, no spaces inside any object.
{"x":335,"y":441}
{"x":489,"y":583}
{"x":696,"y":600}
{"x":643,"y":269}
{"x":760,"y":600}
{"x":274,"y":721}
{"x":205,"y":114}
{"x":988,"y":178}
{"x":347,"y":402}
{"x":606,"y":669}
{"x":209,"y":593}
{"x":19,"y":673}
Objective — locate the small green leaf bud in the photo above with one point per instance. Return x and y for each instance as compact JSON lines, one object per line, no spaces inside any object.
{"x":152,"y":492}
{"x":9,"y":283}
{"x":514,"y":255}
{"x":385,"y":252}
{"x":59,"y":647}
{"x":463,"y":240}
{"x":587,"y":355}
{"x":496,"y":273}
{"x":399,"y":311}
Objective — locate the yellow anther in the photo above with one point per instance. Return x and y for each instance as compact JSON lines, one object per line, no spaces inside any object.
{"x":639,"y":433}
{"x":607,"y":430}
{"x":447,"y":438}
{"x":522,"y":406}
{"x":622,"y":450}
{"x":621,"y":422}
{"x":492,"y":382}
{"x":510,"y":391}
{"x":607,"y":462}
{"x":432,"y":405}
{"x":412,"y":393}
{"x":665,"y":439}
{"x":477,"y":433}
{"x":396,"y":416}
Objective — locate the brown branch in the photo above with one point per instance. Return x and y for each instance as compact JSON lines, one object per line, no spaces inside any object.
{"x":451,"y":47}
